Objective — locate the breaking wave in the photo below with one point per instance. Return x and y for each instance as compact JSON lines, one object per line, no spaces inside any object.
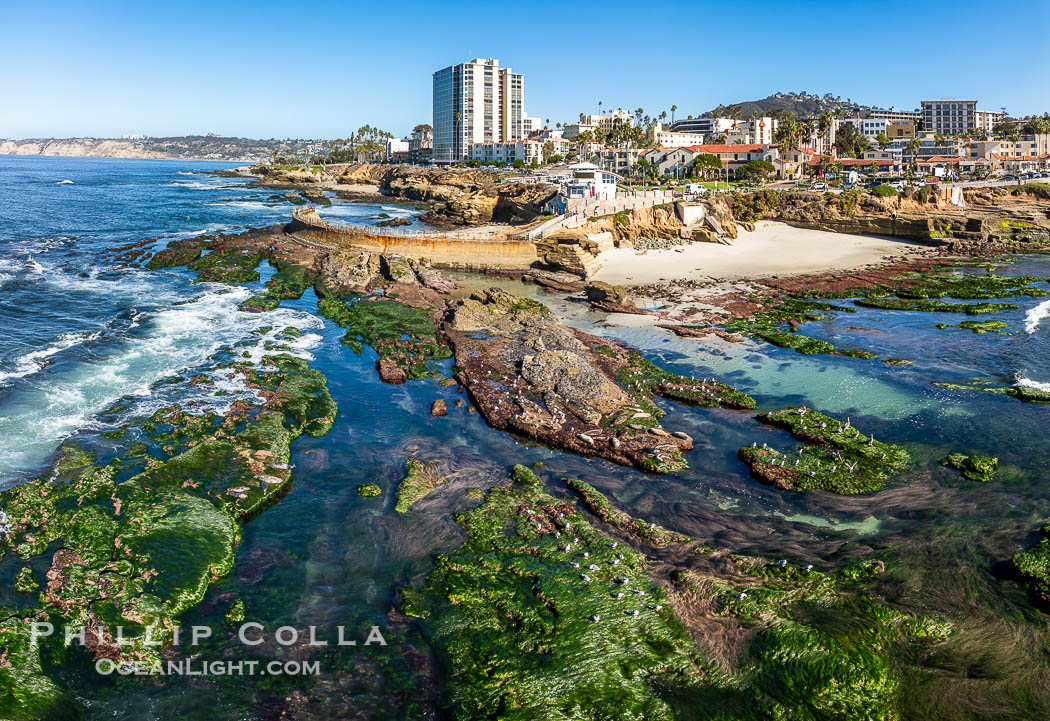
{"x":1023,"y":381}
{"x":35,"y":361}
{"x":55,"y":402}
{"x":1035,"y":316}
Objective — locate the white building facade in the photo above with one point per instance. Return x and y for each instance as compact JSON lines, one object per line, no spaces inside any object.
{"x":476,"y":102}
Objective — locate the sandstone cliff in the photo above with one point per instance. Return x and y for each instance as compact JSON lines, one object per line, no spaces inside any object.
{"x":456,"y":197}
{"x":992,"y":216}
{"x":79,"y":148}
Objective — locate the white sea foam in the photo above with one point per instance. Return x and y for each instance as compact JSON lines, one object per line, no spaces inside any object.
{"x":209,"y":229}
{"x":52,"y":404}
{"x":64,"y":182}
{"x":1035,"y":315}
{"x":217,"y":184}
{"x":33,"y":361}
{"x":1023,"y":381}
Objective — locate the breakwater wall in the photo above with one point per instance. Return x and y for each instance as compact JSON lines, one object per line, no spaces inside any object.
{"x":459,"y":250}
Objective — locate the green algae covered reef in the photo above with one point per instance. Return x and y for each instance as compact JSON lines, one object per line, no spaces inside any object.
{"x":137,"y":542}
{"x":643,"y":379}
{"x":1023,"y":393}
{"x":839,"y":459}
{"x":288,"y":283}
{"x":404,"y":336}
{"x":597,"y":503}
{"x":974,"y":467}
{"x":776,"y":306}
{"x":1034,"y":567}
{"x":934,"y":306}
{"x":539,"y":615}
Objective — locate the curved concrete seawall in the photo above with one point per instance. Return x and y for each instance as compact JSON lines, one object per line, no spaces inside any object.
{"x":469,"y":250}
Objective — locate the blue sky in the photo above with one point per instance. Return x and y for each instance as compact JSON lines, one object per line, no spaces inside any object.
{"x":265,"y":69}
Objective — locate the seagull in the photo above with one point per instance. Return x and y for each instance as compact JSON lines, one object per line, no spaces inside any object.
{"x":741,"y":596}
{"x":596,"y":618}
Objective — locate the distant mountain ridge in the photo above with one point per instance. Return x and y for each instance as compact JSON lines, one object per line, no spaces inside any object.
{"x":182,"y":147}
{"x":798,"y":104}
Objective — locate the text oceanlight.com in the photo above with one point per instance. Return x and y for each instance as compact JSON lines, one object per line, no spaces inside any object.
{"x":190,"y":667}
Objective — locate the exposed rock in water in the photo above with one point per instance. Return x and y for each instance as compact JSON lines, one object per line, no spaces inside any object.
{"x":390,"y":371}
{"x":529,"y":373}
{"x":611,"y":298}
{"x":438,"y":408}
{"x":348,"y":271}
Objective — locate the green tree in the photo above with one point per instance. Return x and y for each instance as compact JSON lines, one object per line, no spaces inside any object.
{"x":548,"y":152}
{"x":825,"y":121}
{"x":873,"y":168}
{"x":788,"y":134}
{"x":519,"y":163}
{"x":1037,"y":125}
{"x":755,"y":171}
{"x":673,"y":109}
{"x":882,"y":139}
{"x":706,"y":163}
{"x":849,"y":142}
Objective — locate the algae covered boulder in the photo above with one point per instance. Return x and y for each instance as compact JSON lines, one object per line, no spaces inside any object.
{"x":839,"y":459}
{"x":369,"y":490}
{"x":975,"y":467}
{"x":1033,"y":566}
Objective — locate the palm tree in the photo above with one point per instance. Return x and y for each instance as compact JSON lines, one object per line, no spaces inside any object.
{"x":673,"y":108}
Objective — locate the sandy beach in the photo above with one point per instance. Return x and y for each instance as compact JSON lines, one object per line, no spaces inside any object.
{"x":771,"y":249}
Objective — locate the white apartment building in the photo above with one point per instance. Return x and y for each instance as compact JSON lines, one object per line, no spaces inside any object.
{"x":752,"y":132}
{"x":674,"y":139}
{"x":396,"y":145}
{"x":530,"y":125}
{"x":704,"y":126}
{"x":873,"y":126}
{"x":476,"y":102}
{"x":949,"y":116}
{"x":595,"y":122}
{"x":986,"y":120}
{"x":892,"y":114}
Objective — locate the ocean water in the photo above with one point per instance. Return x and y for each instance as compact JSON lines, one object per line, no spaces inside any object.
{"x":78,"y":334}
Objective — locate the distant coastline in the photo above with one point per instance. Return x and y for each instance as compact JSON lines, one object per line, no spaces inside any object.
{"x":118,"y":157}
{"x":187,"y":147}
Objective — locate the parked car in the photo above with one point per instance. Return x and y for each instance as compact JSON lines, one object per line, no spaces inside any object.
{"x":1008,"y":178}
{"x":898,"y":185}
{"x":819,"y":186}
{"x":850,"y":186}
